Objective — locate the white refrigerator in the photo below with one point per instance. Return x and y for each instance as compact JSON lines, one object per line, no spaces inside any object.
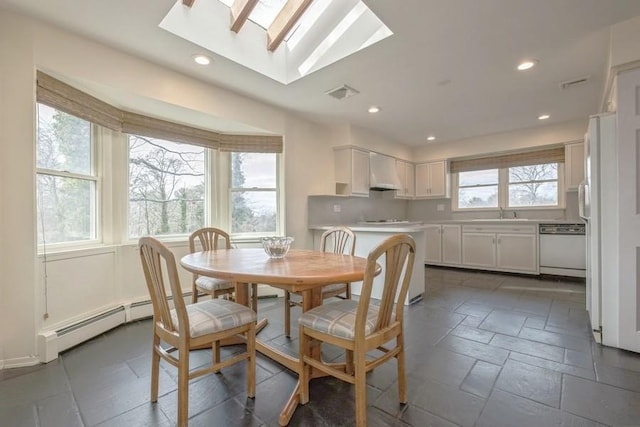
{"x":598,"y":206}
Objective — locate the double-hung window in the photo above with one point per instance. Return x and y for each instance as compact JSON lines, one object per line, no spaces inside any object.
{"x":67,"y":180}
{"x":529,"y":180}
{"x":254,"y":201}
{"x":478,"y":189}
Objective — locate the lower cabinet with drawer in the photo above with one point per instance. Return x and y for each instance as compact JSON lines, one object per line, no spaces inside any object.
{"x":512,"y":248}
{"x":498,"y":247}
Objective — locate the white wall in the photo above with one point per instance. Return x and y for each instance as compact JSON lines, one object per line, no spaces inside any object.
{"x":508,"y":141}
{"x":625,"y":42}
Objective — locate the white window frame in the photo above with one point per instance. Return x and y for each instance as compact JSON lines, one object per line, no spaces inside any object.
{"x":95,"y":177}
{"x":226,"y":216}
{"x":503,"y":194}
{"x":209,"y":194}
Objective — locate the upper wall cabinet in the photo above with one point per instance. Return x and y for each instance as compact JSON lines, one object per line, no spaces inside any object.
{"x":407,"y":175}
{"x":574,"y":165}
{"x":352,"y":171}
{"x":432,"y":179}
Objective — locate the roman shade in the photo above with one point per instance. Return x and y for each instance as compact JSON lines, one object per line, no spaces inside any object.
{"x":64,"y":97}
{"x":539,"y":157}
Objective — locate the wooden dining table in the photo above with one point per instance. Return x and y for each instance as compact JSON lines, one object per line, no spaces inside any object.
{"x":301,"y":271}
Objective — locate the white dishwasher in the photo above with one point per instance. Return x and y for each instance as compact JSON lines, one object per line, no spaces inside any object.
{"x":563,"y":249}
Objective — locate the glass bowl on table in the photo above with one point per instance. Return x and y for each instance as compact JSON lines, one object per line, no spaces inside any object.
{"x":276,"y":247}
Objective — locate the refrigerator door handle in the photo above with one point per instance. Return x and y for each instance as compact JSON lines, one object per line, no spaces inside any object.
{"x":581,"y":200}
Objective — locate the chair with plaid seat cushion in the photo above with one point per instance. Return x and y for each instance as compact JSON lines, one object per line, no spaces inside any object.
{"x":188,"y":327}
{"x":362,"y":327}
{"x":209,"y":239}
{"x":339,"y":240}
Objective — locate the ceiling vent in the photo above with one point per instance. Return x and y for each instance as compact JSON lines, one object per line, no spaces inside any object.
{"x":342,"y":92}
{"x":574,"y":82}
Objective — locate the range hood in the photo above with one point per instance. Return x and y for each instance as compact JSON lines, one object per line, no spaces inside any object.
{"x":383,"y":173}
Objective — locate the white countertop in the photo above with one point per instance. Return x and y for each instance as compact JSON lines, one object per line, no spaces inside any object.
{"x":417,"y":226}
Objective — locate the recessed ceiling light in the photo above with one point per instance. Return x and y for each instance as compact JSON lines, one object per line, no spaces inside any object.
{"x":373,"y":109}
{"x":431,"y":138}
{"x":201,"y":59}
{"x":543,"y":117}
{"x":527,"y":64}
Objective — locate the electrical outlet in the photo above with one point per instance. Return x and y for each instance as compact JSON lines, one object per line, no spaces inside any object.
{"x":337,"y":208}
{"x":440,"y":207}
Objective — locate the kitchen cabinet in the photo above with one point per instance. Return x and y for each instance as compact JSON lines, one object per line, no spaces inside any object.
{"x":351,"y":171}
{"x":503,"y":248}
{"x":407,"y":175}
{"x":433,"y":252}
{"x":573,"y":165}
{"x":432,"y":179}
{"x":443,"y":244}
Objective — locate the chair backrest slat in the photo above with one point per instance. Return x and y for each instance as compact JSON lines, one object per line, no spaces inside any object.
{"x":338,"y":240}
{"x":399,"y":253}
{"x":209,"y":239}
{"x":154,"y":255}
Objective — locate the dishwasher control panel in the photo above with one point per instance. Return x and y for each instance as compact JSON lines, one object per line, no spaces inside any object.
{"x":577,"y":229}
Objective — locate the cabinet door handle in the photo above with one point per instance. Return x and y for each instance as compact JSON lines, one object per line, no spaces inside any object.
{"x":498,"y":241}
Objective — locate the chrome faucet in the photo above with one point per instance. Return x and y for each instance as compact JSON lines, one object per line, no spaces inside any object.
{"x":501,"y":213}
{"x":515,"y":214}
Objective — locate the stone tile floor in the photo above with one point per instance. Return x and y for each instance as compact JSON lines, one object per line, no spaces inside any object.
{"x":482,"y":350}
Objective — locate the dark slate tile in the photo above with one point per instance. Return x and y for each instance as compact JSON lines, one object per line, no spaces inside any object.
{"x":35,"y":386}
{"x":535,"y":322}
{"x":440,"y":365}
{"x":472,"y":321}
{"x":559,"y":340}
{"x":508,"y":410}
{"x":24,"y":415}
{"x":477,"y":310}
{"x":578,"y":358}
{"x":473,"y":334}
{"x":528,"y":347}
{"x":503,"y":322}
{"x":59,"y":410}
{"x":331,"y":403}
{"x":618,"y":377}
{"x":616,"y":357}
{"x":587,"y":373}
{"x":204,"y":393}
{"x":448,"y":402}
{"x":146,"y":415}
{"x":417,"y":417}
{"x":536,"y":305}
{"x":227,"y":414}
{"x":600,"y":402}
{"x":474,"y":349}
{"x":424,"y":335}
{"x":531,"y":382}
{"x":443,"y":318}
{"x":481,"y":379}
{"x":271,"y":396}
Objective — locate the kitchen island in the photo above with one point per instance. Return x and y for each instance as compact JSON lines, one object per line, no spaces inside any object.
{"x":370,"y":235}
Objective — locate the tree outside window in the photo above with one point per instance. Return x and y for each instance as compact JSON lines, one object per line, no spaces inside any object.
{"x":253,"y":193}
{"x":166,"y":187}
{"x":535,"y":185}
{"x":66,"y":179}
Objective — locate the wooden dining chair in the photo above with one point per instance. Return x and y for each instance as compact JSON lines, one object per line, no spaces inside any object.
{"x":187,"y":327}
{"x":339,"y":240}
{"x":207,"y":239}
{"x":360,"y":327}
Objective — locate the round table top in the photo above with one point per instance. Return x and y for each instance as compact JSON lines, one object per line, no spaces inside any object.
{"x":299,"y":267}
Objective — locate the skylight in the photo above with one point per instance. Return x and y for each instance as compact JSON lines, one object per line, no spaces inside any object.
{"x":265,"y":11}
{"x":319,"y":32}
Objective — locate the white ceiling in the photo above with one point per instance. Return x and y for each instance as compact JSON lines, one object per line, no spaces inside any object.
{"x":448,"y":70}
